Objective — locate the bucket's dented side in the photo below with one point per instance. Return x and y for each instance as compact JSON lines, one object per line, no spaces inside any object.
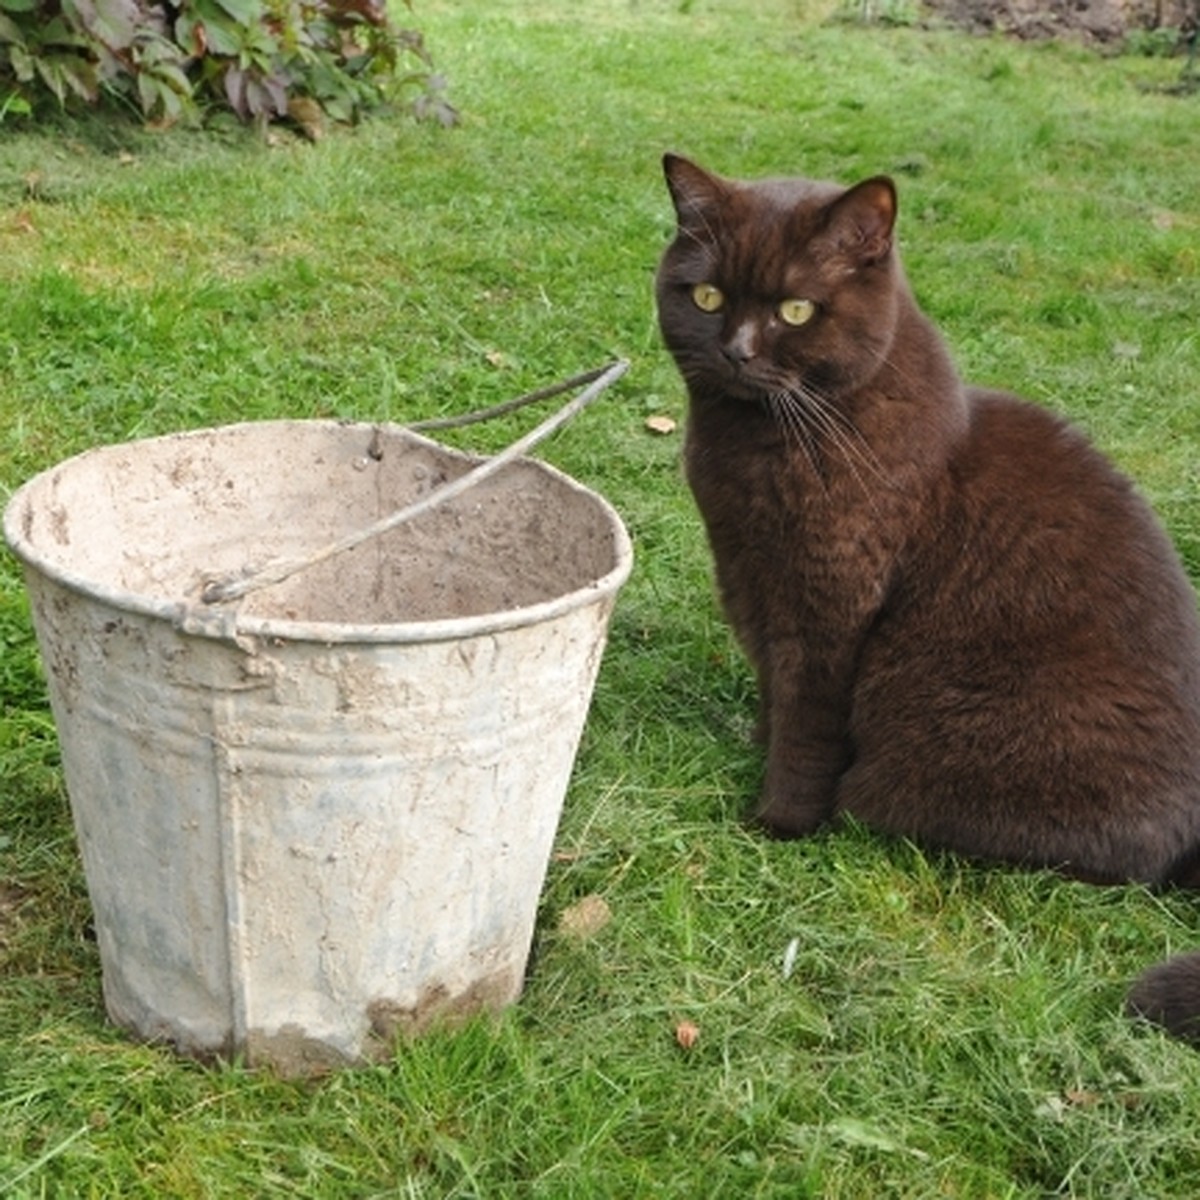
{"x":296,"y":851}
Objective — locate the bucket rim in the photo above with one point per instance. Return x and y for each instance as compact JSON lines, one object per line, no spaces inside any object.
{"x":227,"y":623}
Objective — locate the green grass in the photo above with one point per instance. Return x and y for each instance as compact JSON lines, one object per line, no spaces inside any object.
{"x":946,"y":1029}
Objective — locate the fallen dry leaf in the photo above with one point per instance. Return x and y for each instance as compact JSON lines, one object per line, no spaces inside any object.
{"x":660,"y":424}
{"x":687,"y":1034}
{"x":585,"y":918}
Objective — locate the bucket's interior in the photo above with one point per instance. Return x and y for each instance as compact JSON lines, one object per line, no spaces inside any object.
{"x":162,"y":517}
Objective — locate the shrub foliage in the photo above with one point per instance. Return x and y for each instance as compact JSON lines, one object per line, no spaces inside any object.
{"x":256,"y":57}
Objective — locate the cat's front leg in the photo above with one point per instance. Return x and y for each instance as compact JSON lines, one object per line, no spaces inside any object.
{"x":801,"y":783}
{"x":805,"y":720}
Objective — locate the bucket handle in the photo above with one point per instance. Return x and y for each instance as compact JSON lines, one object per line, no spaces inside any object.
{"x":234,"y":587}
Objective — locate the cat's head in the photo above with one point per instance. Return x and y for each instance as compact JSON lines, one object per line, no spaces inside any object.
{"x":780,"y":286}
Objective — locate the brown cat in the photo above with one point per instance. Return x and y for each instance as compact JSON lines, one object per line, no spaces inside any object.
{"x":967,"y":627}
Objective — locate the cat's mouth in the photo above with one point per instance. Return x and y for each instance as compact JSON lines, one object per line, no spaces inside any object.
{"x":754,"y":381}
{"x":747,"y":391}
{"x":744,"y":382}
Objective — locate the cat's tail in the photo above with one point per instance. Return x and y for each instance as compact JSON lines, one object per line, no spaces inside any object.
{"x":1169,"y":995}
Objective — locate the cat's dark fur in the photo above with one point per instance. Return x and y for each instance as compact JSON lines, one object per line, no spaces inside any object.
{"x":967,"y":627}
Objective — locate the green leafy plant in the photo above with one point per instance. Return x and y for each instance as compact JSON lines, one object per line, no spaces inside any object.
{"x":16,"y":104}
{"x":264,"y":59}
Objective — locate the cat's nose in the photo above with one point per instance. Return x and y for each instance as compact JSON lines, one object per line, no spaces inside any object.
{"x":740,"y":348}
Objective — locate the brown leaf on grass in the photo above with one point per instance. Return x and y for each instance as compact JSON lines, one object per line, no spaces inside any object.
{"x":661,"y":424}
{"x":687,"y":1034}
{"x":585,"y":918}
{"x":22,"y":221}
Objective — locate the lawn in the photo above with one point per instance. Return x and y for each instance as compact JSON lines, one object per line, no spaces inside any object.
{"x":873,"y":1021}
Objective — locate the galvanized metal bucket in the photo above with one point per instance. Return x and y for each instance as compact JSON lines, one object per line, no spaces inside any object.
{"x":322,"y":814}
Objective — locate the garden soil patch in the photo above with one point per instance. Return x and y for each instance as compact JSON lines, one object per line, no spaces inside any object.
{"x":1092,"y":21}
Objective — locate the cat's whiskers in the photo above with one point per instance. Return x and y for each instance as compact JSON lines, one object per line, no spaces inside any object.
{"x":790,"y":418}
{"x":907,"y":377}
{"x":703,"y":240}
{"x":843,"y":435}
{"x":847,"y":435}
{"x":806,"y":415}
{"x":707,"y":238}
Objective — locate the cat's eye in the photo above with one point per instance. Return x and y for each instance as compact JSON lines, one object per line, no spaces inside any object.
{"x":707,"y":298}
{"x":797,"y":312}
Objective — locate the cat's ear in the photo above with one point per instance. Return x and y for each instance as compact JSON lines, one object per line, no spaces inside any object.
{"x":861,"y":222}
{"x":697,"y":194}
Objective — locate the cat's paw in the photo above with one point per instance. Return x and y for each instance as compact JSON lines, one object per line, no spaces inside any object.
{"x":788,"y":821}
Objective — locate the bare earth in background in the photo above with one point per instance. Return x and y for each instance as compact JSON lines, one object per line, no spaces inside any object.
{"x":1095,"y":21}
